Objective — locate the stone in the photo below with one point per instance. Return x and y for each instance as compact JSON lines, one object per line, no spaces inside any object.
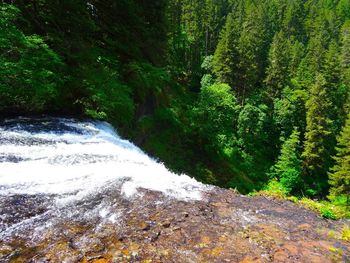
{"x":223,"y":227}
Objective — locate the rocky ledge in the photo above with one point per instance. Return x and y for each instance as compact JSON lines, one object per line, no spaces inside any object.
{"x":223,"y":227}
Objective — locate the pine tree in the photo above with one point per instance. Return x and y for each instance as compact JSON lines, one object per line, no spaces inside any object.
{"x":339,"y":177}
{"x":297,"y":51}
{"x":343,"y":10}
{"x":316,"y":53}
{"x":226,"y":55}
{"x":331,"y":65}
{"x":277,"y":71}
{"x":331,"y":70}
{"x":253,"y":49}
{"x":214,"y":20}
{"x":293,"y":19}
{"x":288,"y":168}
{"x":345,"y":52}
{"x":316,"y":153}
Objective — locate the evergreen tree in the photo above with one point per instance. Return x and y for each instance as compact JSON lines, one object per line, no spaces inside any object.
{"x":293,"y":19}
{"x":345,"y":53}
{"x":315,"y":53}
{"x":214,"y":19}
{"x":288,"y":168}
{"x":226,"y":56}
{"x":253,"y":49}
{"x":316,"y":153}
{"x":343,"y":10}
{"x":138,"y":65}
{"x":331,"y":70}
{"x":289,"y":110}
{"x":178,"y":42}
{"x":331,"y":67}
{"x":297,"y":51}
{"x":277,"y":71}
{"x":339,"y":177}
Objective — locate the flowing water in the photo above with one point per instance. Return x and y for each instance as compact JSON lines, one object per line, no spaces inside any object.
{"x":63,"y":170}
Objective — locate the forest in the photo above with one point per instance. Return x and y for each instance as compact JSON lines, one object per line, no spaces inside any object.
{"x":243,"y":94}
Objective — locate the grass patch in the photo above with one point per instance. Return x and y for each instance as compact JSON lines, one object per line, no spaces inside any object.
{"x":334,"y":209}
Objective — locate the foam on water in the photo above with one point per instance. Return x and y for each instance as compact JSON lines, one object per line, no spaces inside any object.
{"x":54,"y":171}
{"x":80,"y":159}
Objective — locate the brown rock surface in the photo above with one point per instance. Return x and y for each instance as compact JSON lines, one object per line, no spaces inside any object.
{"x":223,"y":227}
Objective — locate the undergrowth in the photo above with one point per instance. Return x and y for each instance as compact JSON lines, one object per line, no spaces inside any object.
{"x":331,"y":209}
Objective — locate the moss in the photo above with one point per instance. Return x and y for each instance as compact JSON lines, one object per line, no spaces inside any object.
{"x":337,"y":254}
{"x":324,"y":208}
{"x":345,"y":234}
{"x":274,"y":188}
{"x":332,"y":234}
{"x":328,"y":209}
{"x":217,"y":251}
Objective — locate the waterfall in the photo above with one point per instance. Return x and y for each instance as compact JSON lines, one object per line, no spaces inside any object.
{"x":52,"y":168}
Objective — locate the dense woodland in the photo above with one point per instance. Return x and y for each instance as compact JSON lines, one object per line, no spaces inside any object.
{"x":243,"y":94}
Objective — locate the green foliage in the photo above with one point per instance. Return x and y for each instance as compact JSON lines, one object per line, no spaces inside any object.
{"x":339,"y":178}
{"x":147,"y":80}
{"x":297,"y":51}
{"x":238,"y":59}
{"x":326,"y":213}
{"x":107,"y":97}
{"x":289,"y":110}
{"x":207,"y":66}
{"x":325,"y":208}
{"x":294,"y":18}
{"x":225,"y":62}
{"x":316,"y":50}
{"x":316,"y":153}
{"x":286,"y":63}
{"x":252,"y":48}
{"x":29,"y":70}
{"x":253,"y":136}
{"x":337,"y":91}
{"x":207,"y":81}
{"x":345,"y":53}
{"x":215,"y":117}
{"x":288,"y":168}
{"x":219,"y":84}
{"x":251,"y":126}
{"x":274,"y":188}
{"x":277,"y":71}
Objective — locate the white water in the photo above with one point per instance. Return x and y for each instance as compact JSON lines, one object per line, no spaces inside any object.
{"x":77,"y":164}
{"x":68,"y":161}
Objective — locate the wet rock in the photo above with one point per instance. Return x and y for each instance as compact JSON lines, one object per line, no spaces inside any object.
{"x":145,"y":226}
{"x":166,"y":224}
{"x":223,"y":227}
{"x":5,"y":250}
{"x":304,"y":227}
